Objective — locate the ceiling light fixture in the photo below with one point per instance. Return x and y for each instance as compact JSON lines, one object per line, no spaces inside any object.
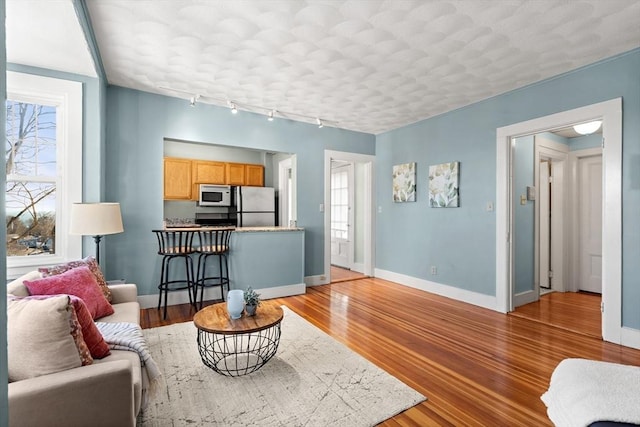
{"x":193,"y":100}
{"x":270,"y":116}
{"x":234,"y":110}
{"x":319,"y":123}
{"x":587,"y":128}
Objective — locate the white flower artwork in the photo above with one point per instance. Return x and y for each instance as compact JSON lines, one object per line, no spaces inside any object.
{"x":404,"y":182}
{"x":443,"y":185}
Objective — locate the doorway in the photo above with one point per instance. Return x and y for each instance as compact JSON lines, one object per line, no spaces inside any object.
{"x":337,"y":213}
{"x":342,"y":214}
{"x":611,"y":114}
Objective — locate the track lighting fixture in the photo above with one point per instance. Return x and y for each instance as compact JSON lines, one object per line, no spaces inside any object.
{"x":269,"y":112}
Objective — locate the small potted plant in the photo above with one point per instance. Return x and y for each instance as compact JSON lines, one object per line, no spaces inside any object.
{"x":251,"y":301}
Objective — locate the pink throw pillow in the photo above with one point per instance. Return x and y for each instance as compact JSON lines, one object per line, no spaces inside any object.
{"x":98,"y":347}
{"x":90,"y":262}
{"x":77,"y":281}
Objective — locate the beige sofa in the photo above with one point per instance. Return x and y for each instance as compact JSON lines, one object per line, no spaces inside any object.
{"x":108,"y":392}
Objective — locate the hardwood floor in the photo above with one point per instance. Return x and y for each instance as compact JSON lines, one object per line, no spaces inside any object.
{"x":339,"y":274}
{"x":574,"y":311}
{"x":477,"y":367}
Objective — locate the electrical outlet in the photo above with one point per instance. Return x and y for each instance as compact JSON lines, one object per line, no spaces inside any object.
{"x":434,"y":270}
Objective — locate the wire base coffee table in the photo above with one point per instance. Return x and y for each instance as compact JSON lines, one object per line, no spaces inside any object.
{"x":235,"y":347}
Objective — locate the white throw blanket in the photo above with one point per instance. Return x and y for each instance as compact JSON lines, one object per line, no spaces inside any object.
{"x":585,"y":391}
{"x":128,"y":336}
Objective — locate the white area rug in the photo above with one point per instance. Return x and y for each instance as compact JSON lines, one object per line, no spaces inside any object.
{"x":313,"y":380}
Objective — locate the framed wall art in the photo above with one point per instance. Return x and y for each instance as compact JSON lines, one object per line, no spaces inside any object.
{"x":443,"y":185}
{"x":404,"y":182}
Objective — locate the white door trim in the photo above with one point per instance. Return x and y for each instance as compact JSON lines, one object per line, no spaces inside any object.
{"x":283,"y":190}
{"x":574,"y":266}
{"x":611,"y":113}
{"x":369,"y":202}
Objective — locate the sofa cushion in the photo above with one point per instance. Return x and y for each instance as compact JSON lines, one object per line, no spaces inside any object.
{"x":90,"y":262}
{"x":39,"y":337}
{"x":18,"y":288}
{"x":77,"y":281}
{"x":92,"y":337}
{"x":124,"y":312}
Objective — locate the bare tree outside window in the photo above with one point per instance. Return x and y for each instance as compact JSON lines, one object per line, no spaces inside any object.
{"x":31,"y":178}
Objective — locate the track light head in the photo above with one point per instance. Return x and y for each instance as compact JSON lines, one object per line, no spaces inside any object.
{"x":319,"y":123}
{"x":270,"y":116}
{"x":234,"y":109}
{"x":194,"y":99}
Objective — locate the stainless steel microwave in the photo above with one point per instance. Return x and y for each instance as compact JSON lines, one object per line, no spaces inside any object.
{"x":215,"y":195}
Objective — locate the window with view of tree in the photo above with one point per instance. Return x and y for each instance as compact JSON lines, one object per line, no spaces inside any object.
{"x":31,"y":178}
{"x":43,"y":159}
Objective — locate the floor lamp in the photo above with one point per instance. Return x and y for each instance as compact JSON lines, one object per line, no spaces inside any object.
{"x":97,"y":220}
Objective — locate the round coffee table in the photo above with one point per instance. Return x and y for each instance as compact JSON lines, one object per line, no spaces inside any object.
{"x":241,"y":346}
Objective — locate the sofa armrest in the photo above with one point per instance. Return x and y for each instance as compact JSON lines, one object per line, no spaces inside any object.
{"x":97,"y":395}
{"x":124,"y":293}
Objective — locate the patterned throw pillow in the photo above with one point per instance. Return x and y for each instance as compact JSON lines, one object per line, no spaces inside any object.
{"x":90,"y":262}
{"x":78,"y":337}
{"x":90,"y":332}
{"x":40,"y":339}
{"x":77,"y":281}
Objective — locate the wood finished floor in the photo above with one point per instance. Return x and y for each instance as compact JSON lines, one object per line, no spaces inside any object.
{"x":574,"y":311}
{"x":477,"y":367}
{"x":339,"y":274}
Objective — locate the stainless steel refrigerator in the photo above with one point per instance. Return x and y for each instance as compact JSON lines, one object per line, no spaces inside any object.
{"x":255,"y":206}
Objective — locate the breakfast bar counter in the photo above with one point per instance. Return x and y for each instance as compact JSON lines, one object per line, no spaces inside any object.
{"x":269,"y":259}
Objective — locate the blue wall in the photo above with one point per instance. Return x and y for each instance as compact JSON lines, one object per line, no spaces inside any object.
{"x":137,"y":124}
{"x":461,"y":241}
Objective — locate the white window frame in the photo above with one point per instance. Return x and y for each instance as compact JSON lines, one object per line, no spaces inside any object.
{"x":66,"y":95}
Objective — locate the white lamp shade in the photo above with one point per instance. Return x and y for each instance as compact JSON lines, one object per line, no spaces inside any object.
{"x":587,"y":128}
{"x":96,"y":219}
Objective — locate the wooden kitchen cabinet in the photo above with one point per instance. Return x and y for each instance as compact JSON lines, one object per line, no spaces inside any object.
{"x":245,"y":174}
{"x":177,"y":179}
{"x":254,"y":175}
{"x":206,"y":172}
{"x":236,"y":174}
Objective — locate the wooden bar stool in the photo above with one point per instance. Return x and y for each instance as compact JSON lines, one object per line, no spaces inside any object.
{"x":213,"y":243}
{"x":175,"y":244}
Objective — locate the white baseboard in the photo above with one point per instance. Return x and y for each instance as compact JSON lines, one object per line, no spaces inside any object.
{"x":630,"y":337}
{"x":316,"y":280}
{"x":485,"y":301}
{"x":182,"y":297}
{"x":524,"y":298}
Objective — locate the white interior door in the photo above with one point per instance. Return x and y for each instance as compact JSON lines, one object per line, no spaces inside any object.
{"x":544,"y":209}
{"x":342,"y":215}
{"x":590,"y":220}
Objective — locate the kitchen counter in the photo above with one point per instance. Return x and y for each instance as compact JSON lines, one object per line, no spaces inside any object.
{"x":269,"y":259}
{"x":238,"y":229}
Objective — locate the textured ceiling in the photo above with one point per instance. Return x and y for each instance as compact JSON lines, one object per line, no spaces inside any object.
{"x":364,"y":65}
{"x":47,"y":34}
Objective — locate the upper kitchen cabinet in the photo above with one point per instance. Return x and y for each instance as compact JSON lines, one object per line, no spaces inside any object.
{"x":207,"y":172}
{"x":177,"y":179}
{"x":236,"y":174}
{"x":245,"y":174}
{"x":254,"y":175}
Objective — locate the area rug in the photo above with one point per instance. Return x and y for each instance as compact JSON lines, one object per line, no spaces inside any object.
{"x":313,"y":380}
